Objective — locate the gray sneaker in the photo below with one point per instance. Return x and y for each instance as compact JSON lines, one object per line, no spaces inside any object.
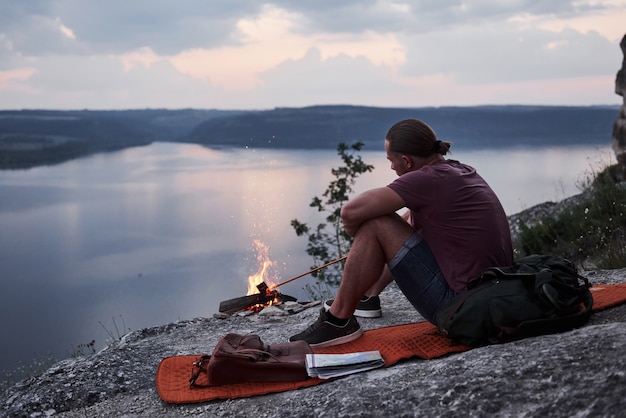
{"x":322,"y":333}
{"x":368,"y":307}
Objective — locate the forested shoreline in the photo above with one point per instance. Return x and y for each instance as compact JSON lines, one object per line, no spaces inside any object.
{"x":30,"y":138}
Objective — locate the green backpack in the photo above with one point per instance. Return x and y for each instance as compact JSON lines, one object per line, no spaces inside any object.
{"x":539,"y":294}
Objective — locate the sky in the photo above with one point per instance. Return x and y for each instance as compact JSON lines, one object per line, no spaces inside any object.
{"x":249,"y":54}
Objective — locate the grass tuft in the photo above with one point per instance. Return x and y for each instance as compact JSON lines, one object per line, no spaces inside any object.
{"x":590,"y":232}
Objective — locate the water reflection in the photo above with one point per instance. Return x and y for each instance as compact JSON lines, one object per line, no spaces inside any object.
{"x":160,"y":233}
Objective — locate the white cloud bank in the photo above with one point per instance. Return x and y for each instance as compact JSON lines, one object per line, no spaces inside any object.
{"x":69,"y":54}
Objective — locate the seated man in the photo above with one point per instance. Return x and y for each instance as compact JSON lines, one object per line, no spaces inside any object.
{"x":454,"y":230}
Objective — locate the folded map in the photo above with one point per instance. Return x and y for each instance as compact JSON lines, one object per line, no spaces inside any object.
{"x":326,"y":366}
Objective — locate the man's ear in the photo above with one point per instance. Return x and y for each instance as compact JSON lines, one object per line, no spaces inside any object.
{"x":408,"y":161}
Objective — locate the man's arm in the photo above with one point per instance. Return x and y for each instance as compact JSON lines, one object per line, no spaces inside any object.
{"x":368,"y":205}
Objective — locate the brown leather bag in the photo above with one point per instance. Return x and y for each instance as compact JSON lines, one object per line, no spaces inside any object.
{"x":245,"y":358}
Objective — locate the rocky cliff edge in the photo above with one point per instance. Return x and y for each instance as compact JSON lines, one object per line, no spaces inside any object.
{"x":579,"y":373}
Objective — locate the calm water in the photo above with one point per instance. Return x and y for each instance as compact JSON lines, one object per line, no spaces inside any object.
{"x":151,"y":235}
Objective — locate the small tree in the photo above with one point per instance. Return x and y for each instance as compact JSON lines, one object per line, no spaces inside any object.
{"x":329,"y":241}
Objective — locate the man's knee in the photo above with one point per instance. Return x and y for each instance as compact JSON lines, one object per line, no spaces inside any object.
{"x":384,"y":221}
{"x":391,"y":225}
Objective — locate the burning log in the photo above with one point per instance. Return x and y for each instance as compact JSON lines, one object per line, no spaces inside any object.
{"x":235,"y":305}
{"x":232,"y":306}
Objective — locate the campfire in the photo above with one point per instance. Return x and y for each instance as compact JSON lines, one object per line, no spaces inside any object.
{"x":261,"y":295}
{"x":262,"y":290}
{"x":261,"y":282}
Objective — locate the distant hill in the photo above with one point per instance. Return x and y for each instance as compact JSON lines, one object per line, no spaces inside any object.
{"x":30,"y":138}
{"x":468,"y":127}
{"x":35,"y":137}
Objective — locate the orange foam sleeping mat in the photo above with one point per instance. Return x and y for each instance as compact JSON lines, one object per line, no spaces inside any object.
{"x":395,"y":343}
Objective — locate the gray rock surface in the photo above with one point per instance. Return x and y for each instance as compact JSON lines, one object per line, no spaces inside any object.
{"x":580,"y":373}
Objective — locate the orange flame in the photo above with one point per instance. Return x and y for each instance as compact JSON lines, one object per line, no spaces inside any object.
{"x":263,"y":275}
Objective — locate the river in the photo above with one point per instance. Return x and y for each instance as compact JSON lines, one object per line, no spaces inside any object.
{"x":97,"y":246}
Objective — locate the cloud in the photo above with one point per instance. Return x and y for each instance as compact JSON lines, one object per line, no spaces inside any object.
{"x":117,"y":26}
{"x":14,"y":80}
{"x":336,"y":80}
{"x":501,"y":53}
{"x":268,"y":40}
{"x":240,"y":53}
{"x":67,"y":32}
{"x":425,"y":16}
{"x":104,"y":83}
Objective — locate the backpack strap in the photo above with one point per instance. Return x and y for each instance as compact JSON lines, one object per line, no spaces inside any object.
{"x":199,"y":367}
{"x":503,"y":273}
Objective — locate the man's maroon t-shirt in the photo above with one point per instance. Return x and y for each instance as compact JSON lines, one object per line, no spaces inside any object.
{"x":460,"y":217}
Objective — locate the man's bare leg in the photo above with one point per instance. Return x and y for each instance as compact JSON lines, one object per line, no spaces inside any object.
{"x":381,"y":283}
{"x":376,"y":242}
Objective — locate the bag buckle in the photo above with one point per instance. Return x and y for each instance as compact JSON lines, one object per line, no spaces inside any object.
{"x":197,"y":369}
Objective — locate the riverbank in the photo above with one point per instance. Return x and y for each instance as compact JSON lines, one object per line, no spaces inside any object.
{"x":32,"y":138}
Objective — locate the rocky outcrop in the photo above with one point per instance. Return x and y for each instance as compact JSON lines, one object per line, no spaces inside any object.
{"x":619,"y":128}
{"x":579,"y":373}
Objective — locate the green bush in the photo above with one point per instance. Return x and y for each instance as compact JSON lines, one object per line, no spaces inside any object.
{"x":591,"y":232}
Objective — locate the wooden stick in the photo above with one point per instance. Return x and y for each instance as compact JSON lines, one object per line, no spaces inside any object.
{"x":274,"y":286}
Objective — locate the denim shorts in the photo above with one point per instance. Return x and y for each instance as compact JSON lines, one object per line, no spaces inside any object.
{"x":415,"y":270}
